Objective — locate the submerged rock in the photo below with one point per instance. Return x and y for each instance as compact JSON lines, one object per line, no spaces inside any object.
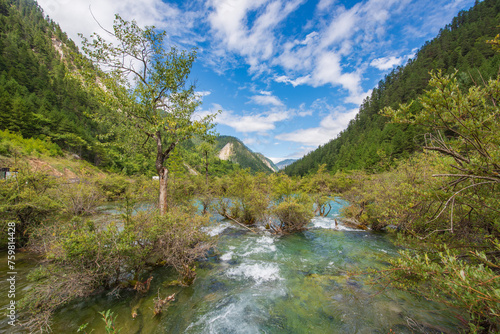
{"x":215,"y":285}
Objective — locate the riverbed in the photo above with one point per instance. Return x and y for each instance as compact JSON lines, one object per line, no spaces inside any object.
{"x":262,"y":283}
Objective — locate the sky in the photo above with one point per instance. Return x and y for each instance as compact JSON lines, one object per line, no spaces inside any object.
{"x":286,"y":75}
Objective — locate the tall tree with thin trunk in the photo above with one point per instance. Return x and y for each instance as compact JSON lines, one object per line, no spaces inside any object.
{"x":144,"y":85}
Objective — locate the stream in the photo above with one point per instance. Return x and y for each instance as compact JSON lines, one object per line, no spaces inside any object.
{"x":262,"y":283}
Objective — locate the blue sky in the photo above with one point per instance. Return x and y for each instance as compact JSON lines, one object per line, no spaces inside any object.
{"x":288,"y":76}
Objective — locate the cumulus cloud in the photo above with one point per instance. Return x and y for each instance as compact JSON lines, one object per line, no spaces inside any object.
{"x":328,"y":54}
{"x":75,"y":16}
{"x":386,"y":63}
{"x":246,"y":123}
{"x":303,"y":111}
{"x":322,"y":57}
{"x":254,"y":40}
{"x":329,"y":127}
{"x":324,"y":5}
{"x":203,"y":93}
{"x":266,"y":99}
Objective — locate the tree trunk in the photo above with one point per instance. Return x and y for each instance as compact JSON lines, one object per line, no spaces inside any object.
{"x":162,"y":199}
{"x":206,"y":169}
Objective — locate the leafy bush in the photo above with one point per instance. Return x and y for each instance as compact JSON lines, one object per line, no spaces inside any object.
{"x":293,"y":214}
{"x":113,"y":186}
{"x":467,"y":283}
{"x":11,"y":143}
{"x":83,"y":256}
{"x":29,"y":199}
{"x":243,"y":197}
{"x":448,"y":204}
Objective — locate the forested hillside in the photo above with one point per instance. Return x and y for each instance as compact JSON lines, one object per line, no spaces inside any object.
{"x":243,"y":156}
{"x":37,"y":99}
{"x":370,"y":142}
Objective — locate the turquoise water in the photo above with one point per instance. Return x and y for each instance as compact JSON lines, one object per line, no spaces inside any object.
{"x":261,"y":283}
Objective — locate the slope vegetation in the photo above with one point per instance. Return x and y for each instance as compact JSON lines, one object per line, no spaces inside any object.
{"x":232,"y":149}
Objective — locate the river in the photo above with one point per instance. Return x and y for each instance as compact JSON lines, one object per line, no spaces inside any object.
{"x":262,"y":283}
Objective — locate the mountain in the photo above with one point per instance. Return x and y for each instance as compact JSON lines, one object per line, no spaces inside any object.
{"x":284,"y":163}
{"x":38,"y":99}
{"x":372,"y":144}
{"x":232,"y":149}
{"x":268,"y":162}
{"x":41,"y":100}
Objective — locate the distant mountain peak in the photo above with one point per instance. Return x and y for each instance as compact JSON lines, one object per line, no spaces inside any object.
{"x":282,"y":164}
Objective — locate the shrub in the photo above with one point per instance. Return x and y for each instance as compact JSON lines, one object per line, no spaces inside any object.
{"x":83,"y":256}
{"x":80,"y":198}
{"x":113,"y":186}
{"x":28,"y":199}
{"x":466,"y":283}
{"x":243,"y":197}
{"x":293,"y":214}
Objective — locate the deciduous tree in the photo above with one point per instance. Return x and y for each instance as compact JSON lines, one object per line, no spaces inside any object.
{"x":145,"y":87}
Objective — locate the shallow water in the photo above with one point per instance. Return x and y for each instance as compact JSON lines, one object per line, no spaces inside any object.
{"x":261,"y":283}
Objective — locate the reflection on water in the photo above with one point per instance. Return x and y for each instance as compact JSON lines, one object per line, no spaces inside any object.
{"x":261,"y":283}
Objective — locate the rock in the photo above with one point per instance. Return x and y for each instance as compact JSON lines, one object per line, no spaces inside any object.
{"x":390,"y":228}
{"x":352,"y":223}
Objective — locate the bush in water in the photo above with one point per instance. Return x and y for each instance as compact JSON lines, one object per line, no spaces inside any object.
{"x":243,"y":197}
{"x":293,"y":214}
{"x":83,"y":256}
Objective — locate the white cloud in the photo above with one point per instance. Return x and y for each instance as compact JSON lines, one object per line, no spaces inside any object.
{"x":342,"y":26}
{"x":330,"y":126}
{"x":323,"y":57}
{"x":203,"y":93}
{"x":258,"y":122}
{"x":74,"y":16}
{"x":324,"y":5}
{"x":386,"y":63}
{"x":249,"y":141}
{"x":299,"y":81}
{"x":303,"y":111}
{"x":265,"y":100}
{"x":255,"y":40}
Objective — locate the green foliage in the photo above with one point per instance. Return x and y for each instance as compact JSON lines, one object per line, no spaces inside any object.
{"x":320,"y":187}
{"x":448,"y":203}
{"x":113,"y":186}
{"x":109,"y":319}
{"x":282,"y":187}
{"x":158,"y":103}
{"x":154,"y":109}
{"x":292,"y":208}
{"x":38,"y":100}
{"x":293,"y":214}
{"x":84,"y":255}
{"x":243,"y":197}
{"x":80,"y":198}
{"x":464,"y":282}
{"x":12,"y":144}
{"x":243,"y":156}
{"x":464,"y":125}
{"x":27,"y":198}
{"x":398,"y":197}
